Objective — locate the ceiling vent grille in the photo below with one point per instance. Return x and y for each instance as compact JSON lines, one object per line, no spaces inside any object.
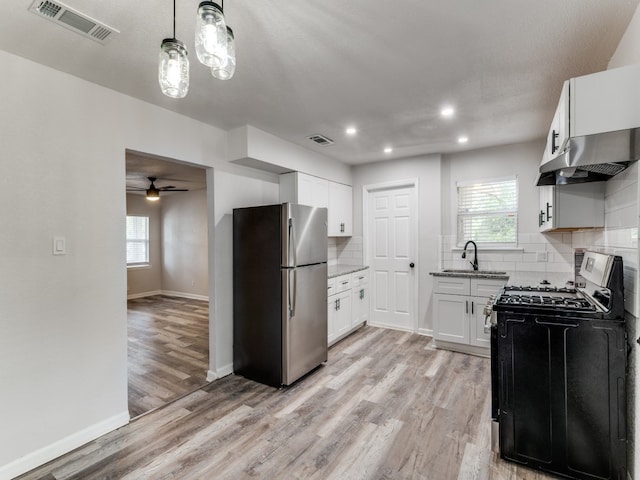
{"x":320,"y":139}
{"x":69,"y":18}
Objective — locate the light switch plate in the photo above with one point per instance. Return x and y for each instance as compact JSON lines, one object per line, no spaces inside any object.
{"x":59,"y":245}
{"x":541,"y":256}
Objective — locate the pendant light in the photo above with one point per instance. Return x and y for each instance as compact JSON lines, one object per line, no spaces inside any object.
{"x":173,"y":68}
{"x":211,"y":34}
{"x":226,"y":69}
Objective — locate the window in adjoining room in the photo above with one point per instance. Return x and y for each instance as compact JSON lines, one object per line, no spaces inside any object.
{"x":137,"y":240}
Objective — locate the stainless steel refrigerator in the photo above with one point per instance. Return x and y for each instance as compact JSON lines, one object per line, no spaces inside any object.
{"x":279,"y":292}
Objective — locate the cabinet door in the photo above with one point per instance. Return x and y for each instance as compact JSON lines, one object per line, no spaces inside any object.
{"x":332,"y":318}
{"x":546,"y":215}
{"x":477,"y":336}
{"x":313,"y":191}
{"x":343,"y":319}
{"x":359,"y":305}
{"x":451,"y":319}
{"x":340,"y":210}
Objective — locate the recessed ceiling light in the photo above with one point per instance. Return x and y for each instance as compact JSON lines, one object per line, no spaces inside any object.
{"x":447,"y":112}
{"x":351,"y":131}
{"x":463,"y":139}
{"x":388,"y":150}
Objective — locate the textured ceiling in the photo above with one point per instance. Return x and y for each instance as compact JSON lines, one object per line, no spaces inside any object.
{"x":309,"y":67}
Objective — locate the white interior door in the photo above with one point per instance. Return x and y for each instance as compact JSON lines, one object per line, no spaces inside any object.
{"x":391,"y":247}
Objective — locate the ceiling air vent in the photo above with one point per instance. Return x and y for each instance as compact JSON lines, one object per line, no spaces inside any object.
{"x":320,"y":139}
{"x":73,"y":20}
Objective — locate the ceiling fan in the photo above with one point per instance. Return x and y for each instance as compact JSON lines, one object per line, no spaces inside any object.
{"x":153,"y":192}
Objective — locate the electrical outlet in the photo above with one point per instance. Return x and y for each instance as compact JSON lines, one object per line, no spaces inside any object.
{"x":541,"y":256}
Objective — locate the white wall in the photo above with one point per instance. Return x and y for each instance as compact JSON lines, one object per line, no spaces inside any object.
{"x":185,"y":244}
{"x":520,"y":160}
{"x":237,"y":187}
{"x":63,"y":348}
{"x":141,"y":280}
{"x":427,"y":170}
{"x":621,"y":235}
{"x":628,"y":51}
{"x":253,"y":146}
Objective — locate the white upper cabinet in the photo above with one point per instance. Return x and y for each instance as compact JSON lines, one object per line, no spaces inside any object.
{"x":605,"y":101}
{"x":601,"y":102}
{"x":340,"y":213}
{"x":298,"y":187}
{"x":569,"y":207}
{"x":559,"y":130}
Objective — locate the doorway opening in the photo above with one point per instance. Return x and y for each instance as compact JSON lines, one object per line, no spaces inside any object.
{"x":167,"y":280}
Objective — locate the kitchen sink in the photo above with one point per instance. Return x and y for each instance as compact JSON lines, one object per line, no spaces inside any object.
{"x":474,"y":272}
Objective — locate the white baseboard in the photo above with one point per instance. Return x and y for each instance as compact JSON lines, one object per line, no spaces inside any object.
{"x":65,"y":445}
{"x":192,"y":296}
{"x":169,"y":293}
{"x":220,"y":373}
{"x":390,"y":327}
{"x":144,"y":294}
{"x":427,"y":332}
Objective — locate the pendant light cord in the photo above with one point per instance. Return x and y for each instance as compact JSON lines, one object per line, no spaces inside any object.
{"x":174,"y":18}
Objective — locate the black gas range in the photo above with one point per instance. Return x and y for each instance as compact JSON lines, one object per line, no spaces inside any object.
{"x":558,"y":368}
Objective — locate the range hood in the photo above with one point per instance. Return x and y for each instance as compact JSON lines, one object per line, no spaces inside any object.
{"x":592,"y":158}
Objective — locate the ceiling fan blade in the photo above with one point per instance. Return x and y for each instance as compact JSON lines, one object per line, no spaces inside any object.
{"x":172,"y":189}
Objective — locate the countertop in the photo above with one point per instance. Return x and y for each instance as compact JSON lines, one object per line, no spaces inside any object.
{"x":472,"y":274}
{"x":337,"y":270}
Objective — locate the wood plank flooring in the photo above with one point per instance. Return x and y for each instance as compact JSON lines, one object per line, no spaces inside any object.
{"x":385,"y":406}
{"x":168,"y":352}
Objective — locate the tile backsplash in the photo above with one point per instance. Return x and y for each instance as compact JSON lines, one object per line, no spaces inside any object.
{"x":345,"y":250}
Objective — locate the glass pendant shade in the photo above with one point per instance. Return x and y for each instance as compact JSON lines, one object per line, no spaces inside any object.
{"x":211,"y":34}
{"x":173,"y":69}
{"x":227,"y":68}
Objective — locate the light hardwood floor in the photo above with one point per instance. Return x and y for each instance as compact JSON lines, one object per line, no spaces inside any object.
{"x":168,"y":350}
{"x":385,"y":406}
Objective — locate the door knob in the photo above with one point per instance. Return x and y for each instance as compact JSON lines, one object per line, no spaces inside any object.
{"x":411,"y":265}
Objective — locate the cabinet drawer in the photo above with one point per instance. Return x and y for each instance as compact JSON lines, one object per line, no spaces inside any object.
{"x":452,"y":285}
{"x":359,"y":278}
{"x":484,"y":287}
{"x":331,"y":286}
{"x":343,"y":282}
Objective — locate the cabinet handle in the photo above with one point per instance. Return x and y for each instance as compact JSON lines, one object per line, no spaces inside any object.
{"x":472,"y":307}
{"x":549,"y":217}
{"x":337,"y":306}
{"x":554,"y":147}
{"x":342,"y":228}
{"x":466,"y":306}
{"x":541,"y":218}
{"x":361,"y":294}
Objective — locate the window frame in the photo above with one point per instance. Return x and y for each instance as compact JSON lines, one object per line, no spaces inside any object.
{"x":145,"y":241}
{"x":506,"y":213}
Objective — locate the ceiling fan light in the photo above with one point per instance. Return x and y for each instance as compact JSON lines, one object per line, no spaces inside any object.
{"x":173,"y":68}
{"x":211,"y":34}
{"x":227,"y":68}
{"x":153,"y":194}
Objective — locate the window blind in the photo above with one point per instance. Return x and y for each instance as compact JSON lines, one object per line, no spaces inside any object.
{"x":137,"y":240}
{"x":488,"y":212}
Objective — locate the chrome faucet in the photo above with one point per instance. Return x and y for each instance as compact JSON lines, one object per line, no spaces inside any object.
{"x":475,"y":253}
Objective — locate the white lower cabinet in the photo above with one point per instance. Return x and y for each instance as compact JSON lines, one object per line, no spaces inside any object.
{"x":458,"y":322}
{"x":348,"y":304}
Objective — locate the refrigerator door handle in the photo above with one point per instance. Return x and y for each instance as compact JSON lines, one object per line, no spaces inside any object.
{"x":292,"y":299}
{"x":293,"y":259}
